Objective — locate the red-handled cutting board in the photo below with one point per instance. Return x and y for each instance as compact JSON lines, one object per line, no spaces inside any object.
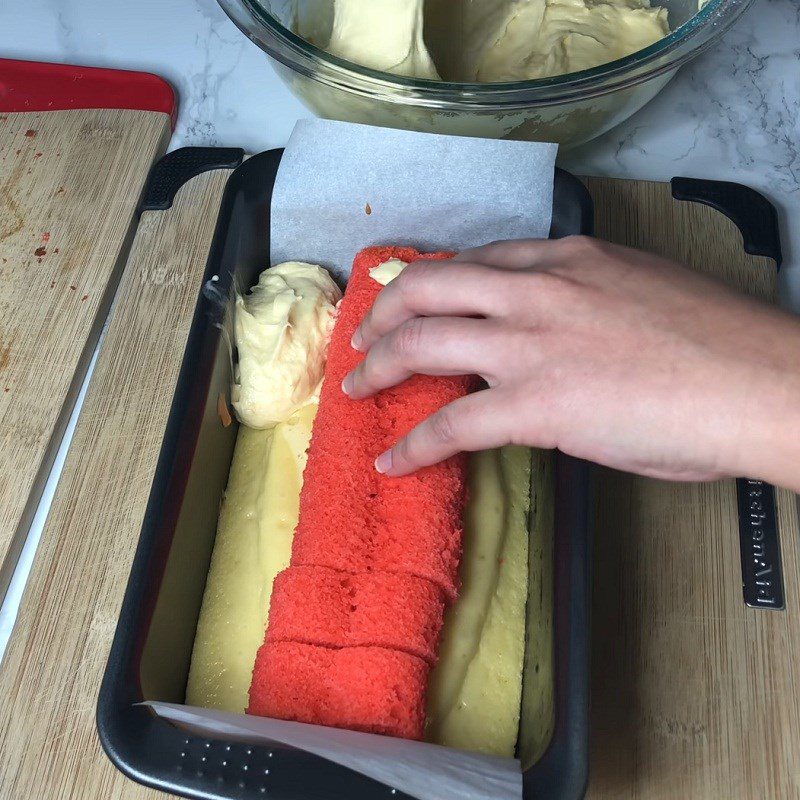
{"x":76,"y":146}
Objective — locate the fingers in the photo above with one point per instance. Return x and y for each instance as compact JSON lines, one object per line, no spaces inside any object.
{"x":479,"y":421}
{"x":428,"y":346}
{"x":535,"y":254}
{"x":434,"y":289}
{"x":517,"y":254}
{"x":476,"y":282}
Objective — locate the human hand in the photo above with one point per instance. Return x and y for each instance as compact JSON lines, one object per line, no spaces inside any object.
{"x":606,"y":353}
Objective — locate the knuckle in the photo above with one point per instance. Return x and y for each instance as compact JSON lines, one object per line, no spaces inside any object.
{"x":523,"y":341}
{"x":579,"y":250}
{"x":523,"y":250}
{"x":408,"y":338}
{"x":366,"y":323}
{"x":443,"y":427}
{"x":580,"y":243}
{"x":482,"y":278}
{"x":545,"y":285}
{"x":411,"y":280}
{"x":367,"y":371}
{"x":402,"y":450}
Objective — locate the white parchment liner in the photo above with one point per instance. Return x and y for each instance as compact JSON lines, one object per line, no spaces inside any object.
{"x":425,"y":190}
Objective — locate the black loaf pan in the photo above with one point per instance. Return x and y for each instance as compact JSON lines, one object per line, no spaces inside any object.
{"x":151,"y":651}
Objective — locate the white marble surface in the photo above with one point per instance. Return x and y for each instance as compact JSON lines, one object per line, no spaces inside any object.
{"x":733,"y":114}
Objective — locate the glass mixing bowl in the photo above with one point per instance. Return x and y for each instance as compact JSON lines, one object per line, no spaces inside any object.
{"x":569,"y":109}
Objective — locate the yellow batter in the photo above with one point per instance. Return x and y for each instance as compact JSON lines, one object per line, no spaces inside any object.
{"x":489,"y":41}
{"x":253,"y":544}
{"x":514,"y":40}
{"x":282,"y":328}
{"x":474,"y":691}
{"x":386,"y":272}
{"x":353,"y":37}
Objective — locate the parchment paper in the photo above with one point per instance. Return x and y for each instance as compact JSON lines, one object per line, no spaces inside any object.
{"x":425,"y":190}
{"x":422,"y":770}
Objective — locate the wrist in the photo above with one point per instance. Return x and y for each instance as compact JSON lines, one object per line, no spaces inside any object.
{"x":773,"y":454}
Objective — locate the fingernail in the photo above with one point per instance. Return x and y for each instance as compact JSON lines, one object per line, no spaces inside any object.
{"x":347,"y":383}
{"x":383,"y":463}
{"x":357,"y":341}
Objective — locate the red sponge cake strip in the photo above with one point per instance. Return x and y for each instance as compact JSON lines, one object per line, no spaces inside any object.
{"x":361,"y":688}
{"x":352,"y":518}
{"x":322,"y":606}
{"x":355,"y":620}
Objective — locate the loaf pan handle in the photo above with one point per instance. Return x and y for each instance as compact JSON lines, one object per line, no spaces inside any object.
{"x":174,"y":169}
{"x":749,"y":210}
{"x":759,"y":543}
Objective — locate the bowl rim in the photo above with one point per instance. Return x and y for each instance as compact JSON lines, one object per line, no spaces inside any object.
{"x":300,"y":55}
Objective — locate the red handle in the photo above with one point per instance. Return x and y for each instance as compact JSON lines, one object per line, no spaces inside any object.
{"x":36,"y":86}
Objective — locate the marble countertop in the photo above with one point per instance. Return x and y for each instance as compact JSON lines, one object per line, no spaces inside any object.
{"x":732,"y":114}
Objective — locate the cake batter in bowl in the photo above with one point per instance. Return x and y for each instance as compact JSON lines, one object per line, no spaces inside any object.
{"x":491,"y":68}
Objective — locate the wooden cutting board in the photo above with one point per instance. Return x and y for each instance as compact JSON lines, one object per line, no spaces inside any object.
{"x":694,"y":695}
{"x":50,"y":676}
{"x":70,"y":182}
{"x":679,"y":662}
